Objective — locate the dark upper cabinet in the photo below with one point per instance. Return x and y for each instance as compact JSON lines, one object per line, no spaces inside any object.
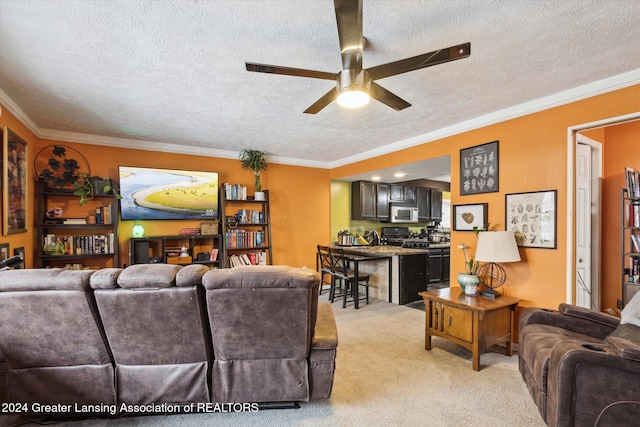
{"x":382,"y":203}
{"x":423,"y":198}
{"x":436,"y":204}
{"x":409,"y":194}
{"x":397,"y":193}
{"x":363,"y":200}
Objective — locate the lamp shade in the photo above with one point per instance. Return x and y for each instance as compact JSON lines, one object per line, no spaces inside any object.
{"x":497,"y":246}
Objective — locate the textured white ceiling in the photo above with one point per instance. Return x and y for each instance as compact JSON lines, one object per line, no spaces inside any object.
{"x":170,"y":74}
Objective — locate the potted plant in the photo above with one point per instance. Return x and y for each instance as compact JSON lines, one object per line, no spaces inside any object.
{"x":87,"y":186}
{"x":469,"y":279}
{"x":255,"y":161}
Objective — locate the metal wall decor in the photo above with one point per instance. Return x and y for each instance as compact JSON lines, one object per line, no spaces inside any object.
{"x":479,"y":169}
{"x":532,"y":217}
{"x":14,"y":192}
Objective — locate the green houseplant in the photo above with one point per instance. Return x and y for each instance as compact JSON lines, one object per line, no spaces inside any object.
{"x":255,"y":161}
{"x":87,"y":186}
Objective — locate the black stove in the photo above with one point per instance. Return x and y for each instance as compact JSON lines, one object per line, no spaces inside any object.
{"x":401,"y":236}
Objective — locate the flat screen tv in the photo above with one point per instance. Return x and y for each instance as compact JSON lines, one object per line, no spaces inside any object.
{"x":150,"y":194}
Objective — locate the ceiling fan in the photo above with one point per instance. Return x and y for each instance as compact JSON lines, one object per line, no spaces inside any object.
{"x":354,"y":86}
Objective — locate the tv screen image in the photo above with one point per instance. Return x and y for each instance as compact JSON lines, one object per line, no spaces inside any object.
{"x":150,"y":194}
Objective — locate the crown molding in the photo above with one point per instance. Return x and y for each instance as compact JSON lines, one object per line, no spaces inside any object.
{"x":610,"y":84}
{"x":589,"y":90}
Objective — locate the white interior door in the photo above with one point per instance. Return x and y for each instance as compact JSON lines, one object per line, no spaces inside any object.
{"x":588,"y":172}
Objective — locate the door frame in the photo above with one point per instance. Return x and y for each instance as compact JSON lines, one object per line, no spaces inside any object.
{"x":571,"y":190}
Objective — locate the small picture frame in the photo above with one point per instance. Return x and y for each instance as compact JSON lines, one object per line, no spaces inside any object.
{"x":19,"y":252}
{"x":466,"y":217}
{"x":532,"y":217}
{"x":479,"y":169}
{"x":4,"y":251}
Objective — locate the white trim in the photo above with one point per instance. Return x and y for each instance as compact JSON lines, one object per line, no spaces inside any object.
{"x":571,"y":131}
{"x":619,"y":81}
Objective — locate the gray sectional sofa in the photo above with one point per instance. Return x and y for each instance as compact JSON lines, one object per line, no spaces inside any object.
{"x":158,"y":333}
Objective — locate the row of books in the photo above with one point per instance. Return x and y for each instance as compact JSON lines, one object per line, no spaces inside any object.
{"x":632,"y":215}
{"x":251,"y":258}
{"x":634,"y":269}
{"x":104,"y":214}
{"x":238,"y":238}
{"x":633,"y":182}
{"x":250,"y":216}
{"x":96,"y":244}
{"x":234,"y":191}
{"x":635,"y":240}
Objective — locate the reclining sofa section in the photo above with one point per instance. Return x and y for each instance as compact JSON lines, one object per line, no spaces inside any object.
{"x":152,"y":334}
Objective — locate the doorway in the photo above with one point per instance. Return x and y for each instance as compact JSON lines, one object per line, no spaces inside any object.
{"x":583,"y":241}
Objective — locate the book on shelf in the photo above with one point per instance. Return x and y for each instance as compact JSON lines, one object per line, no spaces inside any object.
{"x":74,"y":221}
{"x":251,"y":258}
{"x":633,"y":182}
{"x":214,"y":254}
{"x":234,"y":191}
{"x":635,"y":239}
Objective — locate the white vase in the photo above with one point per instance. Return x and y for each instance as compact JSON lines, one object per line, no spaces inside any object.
{"x":259,"y":195}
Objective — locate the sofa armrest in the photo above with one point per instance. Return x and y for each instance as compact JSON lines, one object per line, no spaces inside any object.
{"x":590,"y":315}
{"x":325,"y":336}
{"x":571,"y":318}
{"x":624,"y":348}
{"x":584,"y":379}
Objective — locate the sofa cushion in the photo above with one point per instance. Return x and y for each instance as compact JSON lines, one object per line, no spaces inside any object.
{"x":40,"y":279}
{"x":106,"y":278}
{"x":191,"y":275}
{"x":149,"y":276}
{"x":630,"y":314}
{"x":627,"y":331}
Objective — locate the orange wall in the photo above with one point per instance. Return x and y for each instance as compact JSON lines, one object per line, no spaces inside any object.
{"x":532,"y":157}
{"x":621,"y":147}
{"x":300,"y":197}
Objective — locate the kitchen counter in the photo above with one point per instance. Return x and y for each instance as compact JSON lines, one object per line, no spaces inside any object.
{"x":398,"y":272}
{"x":384,"y":250}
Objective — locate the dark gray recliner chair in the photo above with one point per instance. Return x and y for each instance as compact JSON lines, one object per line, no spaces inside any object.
{"x":272,"y":341}
{"x":155,"y":321}
{"x":581,"y":367}
{"x":51,"y":338}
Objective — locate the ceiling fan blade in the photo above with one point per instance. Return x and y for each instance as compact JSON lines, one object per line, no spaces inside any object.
{"x":349,"y":19}
{"x":421,"y":61}
{"x":326,"y":99}
{"x":383,"y":95}
{"x":288,"y":71}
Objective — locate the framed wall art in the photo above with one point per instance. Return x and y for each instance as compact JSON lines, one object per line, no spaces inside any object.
{"x":4,"y":251}
{"x":14,"y":177}
{"x":479,"y":169}
{"x":533,"y":218}
{"x":466,"y":217}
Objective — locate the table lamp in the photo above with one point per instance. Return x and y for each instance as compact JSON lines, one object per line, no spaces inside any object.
{"x":494,"y":247}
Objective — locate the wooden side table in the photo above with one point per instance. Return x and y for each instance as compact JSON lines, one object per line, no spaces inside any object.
{"x":474,"y":322}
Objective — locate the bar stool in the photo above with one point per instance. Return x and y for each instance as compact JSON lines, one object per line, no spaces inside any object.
{"x":350,"y":283}
{"x":323,"y":266}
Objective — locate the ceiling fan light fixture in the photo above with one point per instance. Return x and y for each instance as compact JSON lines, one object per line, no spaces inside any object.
{"x":353,"y":98}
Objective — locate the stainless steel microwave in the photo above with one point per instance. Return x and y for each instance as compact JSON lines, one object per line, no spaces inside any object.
{"x":403,"y":213}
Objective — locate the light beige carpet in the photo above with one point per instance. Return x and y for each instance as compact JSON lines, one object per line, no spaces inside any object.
{"x":385,"y":377}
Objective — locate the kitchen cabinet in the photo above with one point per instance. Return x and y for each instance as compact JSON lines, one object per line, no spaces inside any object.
{"x":397,"y":193}
{"x":413,"y":277}
{"x":439,"y":259}
{"x":435,"y":197}
{"x":363,"y":200}
{"x":382,"y":201}
{"x":409,"y":194}
{"x":423,"y":197}
{"x":402,"y":193}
